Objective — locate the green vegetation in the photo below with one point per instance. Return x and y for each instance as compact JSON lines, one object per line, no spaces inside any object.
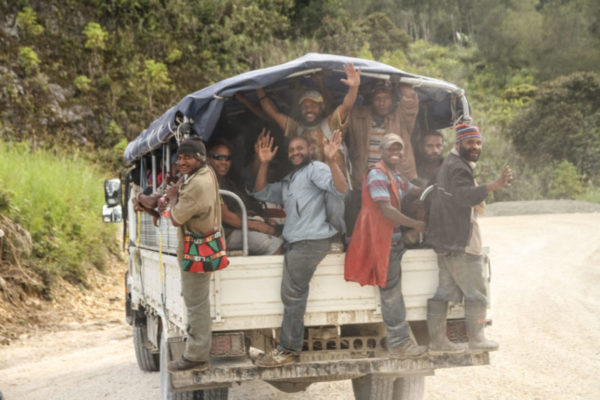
{"x":27,"y":22}
{"x":82,"y":83}
{"x":154,"y":78}
{"x":29,"y":60}
{"x":57,"y":198}
{"x":531,"y":70}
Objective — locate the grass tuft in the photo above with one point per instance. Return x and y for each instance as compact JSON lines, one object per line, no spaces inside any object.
{"x":58,"y":198}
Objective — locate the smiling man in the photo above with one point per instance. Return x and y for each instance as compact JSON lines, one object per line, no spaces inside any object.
{"x":306,"y":230}
{"x":194,"y":207}
{"x":392,"y":109}
{"x":376,"y":248}
{"x":453,"y":233}
{"x":317,"y":127}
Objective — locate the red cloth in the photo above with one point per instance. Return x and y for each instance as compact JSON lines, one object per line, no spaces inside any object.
{"x":367,"y":258}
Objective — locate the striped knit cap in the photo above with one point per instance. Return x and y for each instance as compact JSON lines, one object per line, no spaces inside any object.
{"x":466,"y":131}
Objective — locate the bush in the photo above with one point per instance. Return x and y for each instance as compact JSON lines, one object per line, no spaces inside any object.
{"x":28,"y":59}
{"x":566,"y":182}
{"x":82,"y":83}
{"x":27,"y":21}
{"x":563,"y":123}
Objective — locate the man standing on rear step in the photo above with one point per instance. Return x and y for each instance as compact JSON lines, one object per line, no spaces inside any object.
{"x":194,"y":207}
{"x":454,"y":234}
{"x":306,"y":230}
{"x":375,"y":252}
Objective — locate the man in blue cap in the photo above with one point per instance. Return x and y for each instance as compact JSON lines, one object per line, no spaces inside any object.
{"x":453,"y":233}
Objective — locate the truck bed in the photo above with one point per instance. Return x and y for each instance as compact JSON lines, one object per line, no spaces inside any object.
{"x":246,"y":295}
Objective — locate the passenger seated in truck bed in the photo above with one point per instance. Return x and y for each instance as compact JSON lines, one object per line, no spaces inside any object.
{"x":262,"y":232}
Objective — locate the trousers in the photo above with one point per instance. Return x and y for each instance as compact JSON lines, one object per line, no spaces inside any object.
{"x":461,"y":274}
{"x":195,"y":289}
{"x":301,"y":260}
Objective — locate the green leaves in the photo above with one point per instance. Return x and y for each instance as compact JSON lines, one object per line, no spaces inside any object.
{"x":96,"y":36}
{"x":28,"y":59}
{"x":27,"y":22}
{"x":154,"y":78}
{"x":563,"y":124}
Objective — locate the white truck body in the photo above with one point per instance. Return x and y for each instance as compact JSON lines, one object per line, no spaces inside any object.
{"x":245,"y":295}
{"x":344,"y":332}
{"x":245,"y":301}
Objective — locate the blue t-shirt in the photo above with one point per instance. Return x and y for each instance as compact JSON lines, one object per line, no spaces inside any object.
{"x":378,"y":184}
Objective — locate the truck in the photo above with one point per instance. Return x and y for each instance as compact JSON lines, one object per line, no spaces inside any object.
{"x":344,"y":334}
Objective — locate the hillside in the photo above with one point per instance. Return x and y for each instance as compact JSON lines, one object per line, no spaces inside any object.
{"x":78,"y":79}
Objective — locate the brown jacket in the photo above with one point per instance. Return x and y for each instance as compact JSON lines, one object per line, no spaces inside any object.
{"x":401,"y":122}
{"x":197,"y":206}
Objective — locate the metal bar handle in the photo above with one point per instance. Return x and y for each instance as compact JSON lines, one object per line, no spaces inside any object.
{"x":244,"y":218}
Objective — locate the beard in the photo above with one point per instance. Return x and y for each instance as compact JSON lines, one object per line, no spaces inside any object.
{"x":303,"y":163}
{"x":467,"y":154}
{"x":318,"y":118}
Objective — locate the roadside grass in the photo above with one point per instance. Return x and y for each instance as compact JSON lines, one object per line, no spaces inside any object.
{"x":58,"y":198}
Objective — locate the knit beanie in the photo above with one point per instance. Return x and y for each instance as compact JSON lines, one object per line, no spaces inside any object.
{"x":194,"y":147}
{"x":466,"y":131}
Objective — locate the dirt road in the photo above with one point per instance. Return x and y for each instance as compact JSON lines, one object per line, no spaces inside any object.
{"x":546,"y":307}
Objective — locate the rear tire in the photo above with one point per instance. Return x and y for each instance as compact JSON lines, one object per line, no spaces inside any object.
{"x":409,"y":388}
{"x":374,"y":387}
{"x":214,"y":394}
{"x":146,"y":359}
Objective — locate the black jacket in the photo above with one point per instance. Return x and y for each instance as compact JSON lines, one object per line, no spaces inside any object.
{"x":449,"y":226}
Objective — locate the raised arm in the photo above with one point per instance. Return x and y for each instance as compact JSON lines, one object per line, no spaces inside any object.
{"x":264,"y":153}
{"x":330,"y":151}
{"x":353,"y":82}
{"x":256,"y":109}
{"x":270,"y":109}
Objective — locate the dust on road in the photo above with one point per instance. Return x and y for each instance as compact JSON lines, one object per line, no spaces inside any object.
{"x":545,"y":299}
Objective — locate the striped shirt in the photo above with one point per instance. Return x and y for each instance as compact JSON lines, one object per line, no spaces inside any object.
{"x":378,"y":186}
{"x":375,"y":136}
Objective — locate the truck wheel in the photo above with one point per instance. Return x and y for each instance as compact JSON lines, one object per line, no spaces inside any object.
{"x":409,"y":388}
{"x":374,"y":387}
{"x":214,"y":394}
{"x":165,"y":379}
{"x":146,"y":359}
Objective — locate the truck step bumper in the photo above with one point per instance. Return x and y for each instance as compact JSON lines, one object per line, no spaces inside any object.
{"x":224,"y":372}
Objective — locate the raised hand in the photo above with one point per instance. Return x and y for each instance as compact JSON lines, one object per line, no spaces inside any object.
{"x":507,"y":176}
{"x":503,"y":181}
{"x":352,"y":76}
{"x":264,"y":147}
{"x":331,"y":147}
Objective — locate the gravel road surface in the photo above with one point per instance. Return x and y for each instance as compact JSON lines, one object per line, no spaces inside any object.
{"x":546,"y":306}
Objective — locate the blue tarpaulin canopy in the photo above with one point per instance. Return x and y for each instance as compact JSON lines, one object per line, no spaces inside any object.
{"x":204,"y":107}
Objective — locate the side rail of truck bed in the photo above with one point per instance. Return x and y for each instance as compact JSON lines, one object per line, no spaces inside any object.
{"x":246,"y":294}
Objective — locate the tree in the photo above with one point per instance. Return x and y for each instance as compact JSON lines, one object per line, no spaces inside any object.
{"x":96,"y":42}
{"x":154,"y":78}
{"x":28,"y":59}
{"x":27,"y":22}
{"x":383,"y":35}
{"x":563,"y":123}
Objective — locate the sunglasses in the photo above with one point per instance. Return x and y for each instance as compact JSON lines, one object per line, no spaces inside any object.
{"x":221,"y":157}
